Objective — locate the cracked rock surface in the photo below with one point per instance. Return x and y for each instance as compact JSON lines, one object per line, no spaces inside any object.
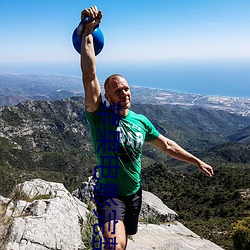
{"x":168,"y":236}
{"x":54,"y":222}
{"x":44,"y":215}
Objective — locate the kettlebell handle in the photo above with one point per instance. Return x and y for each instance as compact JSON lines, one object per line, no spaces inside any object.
{"x":86,"y":20}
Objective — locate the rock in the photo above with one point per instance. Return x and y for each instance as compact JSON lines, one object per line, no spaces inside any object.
{"x":152,"y":206}
{"x":44,"y":216}
{"x":245,"y":193}
{"x":85,"y":192}
{"x":169,"y":236}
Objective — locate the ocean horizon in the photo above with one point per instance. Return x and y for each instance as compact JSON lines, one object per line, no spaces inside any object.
{"x":213,"y":79}
{"x":229,"y":79}
{"x":206,"y":79}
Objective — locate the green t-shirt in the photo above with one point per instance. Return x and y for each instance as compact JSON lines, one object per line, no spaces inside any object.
{"x":121,"y":165}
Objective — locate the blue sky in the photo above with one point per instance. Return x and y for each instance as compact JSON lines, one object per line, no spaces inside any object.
{"x":35,"y":35}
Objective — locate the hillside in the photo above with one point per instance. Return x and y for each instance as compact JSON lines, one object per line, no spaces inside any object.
{"x":209,"y":207}
{"x":241,"y":136}
{"x":51,"y":140}
{"x":44,"y":139}
{"x":53,"y":137}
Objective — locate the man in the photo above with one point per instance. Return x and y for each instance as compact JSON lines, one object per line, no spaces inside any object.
{"x":118,"y":214}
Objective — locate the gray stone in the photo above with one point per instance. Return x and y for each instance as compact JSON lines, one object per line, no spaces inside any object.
{"x":85,"y":192}
{"x":44,"y":215}
{"x":54,"y":222}
{"x":152,"y":206}
{"x":169,"y":236}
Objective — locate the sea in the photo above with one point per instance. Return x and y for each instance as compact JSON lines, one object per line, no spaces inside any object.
{"x":230,"y":79}
{"x":215,"y":79}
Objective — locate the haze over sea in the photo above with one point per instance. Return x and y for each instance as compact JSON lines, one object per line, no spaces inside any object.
{"x":230,"y":79}
{"x":220,"y":79}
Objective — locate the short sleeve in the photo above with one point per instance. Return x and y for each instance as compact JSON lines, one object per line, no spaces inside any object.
{"x":152,"y":133}
{"x":92,"y":117}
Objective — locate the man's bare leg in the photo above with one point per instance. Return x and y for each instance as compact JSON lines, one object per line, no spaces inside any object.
{"x":119,"y":236}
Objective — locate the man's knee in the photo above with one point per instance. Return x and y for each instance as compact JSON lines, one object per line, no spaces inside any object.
{"x":116,"y":244}
{"x":120,"y":246}
{"x":117,"y":241}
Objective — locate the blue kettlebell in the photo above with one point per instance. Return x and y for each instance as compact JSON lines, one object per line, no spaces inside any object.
{"x":98,"y":37}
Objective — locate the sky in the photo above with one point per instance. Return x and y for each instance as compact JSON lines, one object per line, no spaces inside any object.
{"x":148,"y":40}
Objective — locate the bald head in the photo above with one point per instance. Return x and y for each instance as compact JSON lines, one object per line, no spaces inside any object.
{"x":113,"y":79}
{"x":117,"y":92}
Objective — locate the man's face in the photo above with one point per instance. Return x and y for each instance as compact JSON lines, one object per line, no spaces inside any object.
{"x":117,"y":90}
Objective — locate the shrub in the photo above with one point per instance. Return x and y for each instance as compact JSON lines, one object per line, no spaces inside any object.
{"x":88,"y":233}
{"x":241,"y":234}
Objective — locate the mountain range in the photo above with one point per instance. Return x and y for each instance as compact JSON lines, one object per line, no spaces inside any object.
{"x":44,"y":134}
{"x":53,"y":136}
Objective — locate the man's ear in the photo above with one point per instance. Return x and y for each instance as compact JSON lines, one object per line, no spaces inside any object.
{"x":107,"y":97}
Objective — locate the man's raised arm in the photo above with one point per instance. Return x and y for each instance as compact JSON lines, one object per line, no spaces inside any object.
{"x":88,"y":62}
{"x":174,"y":150}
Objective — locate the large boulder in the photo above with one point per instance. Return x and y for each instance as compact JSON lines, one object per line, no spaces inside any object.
{"x":152,"y":206}
{"x":85,"y":192}
{"x":169,"y":236}
{"x":43,"y":215}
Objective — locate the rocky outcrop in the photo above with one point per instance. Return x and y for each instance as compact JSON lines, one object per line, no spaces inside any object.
{"x":152,"y":207}
{"x":168,"y":236}
{"x":44,"y":215}
{"x":85,"y":192}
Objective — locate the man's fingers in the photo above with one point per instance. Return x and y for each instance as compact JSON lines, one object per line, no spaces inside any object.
{"x":99,"y":15}
{"x":91,"y":12}
{"x":84,"y":14}
{"x":94,"y":14}
{"x":208,"y":171}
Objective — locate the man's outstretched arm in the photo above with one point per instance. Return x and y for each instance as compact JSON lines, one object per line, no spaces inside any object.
{"x":88,"y":63}
{"x":174,"y":150}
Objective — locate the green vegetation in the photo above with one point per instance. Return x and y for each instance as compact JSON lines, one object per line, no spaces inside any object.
{"x":19,"y":194}
{"x":208,"y":206}
{"x":241,"y":234}
{"x":5,"y":222}
{"x":88,"y":233}
{"x":11,"y":176}
{"x":51,"y":141}
{"x":151,"y":220}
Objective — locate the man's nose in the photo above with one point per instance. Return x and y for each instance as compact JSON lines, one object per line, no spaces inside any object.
{"x":123,"y":93}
